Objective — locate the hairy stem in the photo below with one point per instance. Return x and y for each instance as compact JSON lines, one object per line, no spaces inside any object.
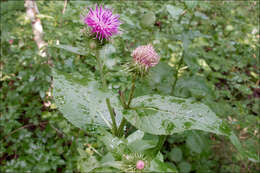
{"x":182,"y":57}
{"x":120,"y":130}
{"x":104,"y":84}
{"x":100,"y":66}
{"x":132,"y":91}
{"x":122,"y":124}
{"x":112,"y":115}
{"x":122,"y":99}
{"x":162,"y":139}
{"x":154,"y":151}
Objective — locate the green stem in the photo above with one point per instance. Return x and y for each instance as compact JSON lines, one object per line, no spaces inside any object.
{"x":162,"y":139}
{"x":104,"y":84}
{"x":122,"y":99}
{"x":112,"y":115}
{"x":176,"y":76}
{"x":131,"y":91}
{"x":120,"y":130}
{"x":154,"y":151}
{"x":181,"y":60}
{"x":123,"y":122}
{"x":100,"y":66}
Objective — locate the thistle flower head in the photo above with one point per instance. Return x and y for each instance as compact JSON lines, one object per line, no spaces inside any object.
{"x":102,"y":22}
{"x":11,"y":41}
{"x":145,"y":56}
{"x":140,"y":165}
{"x":134,"y":162}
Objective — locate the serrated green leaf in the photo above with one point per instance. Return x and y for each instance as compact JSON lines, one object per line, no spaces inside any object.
{"x":165,"y":115}
{"x":81,"y":100}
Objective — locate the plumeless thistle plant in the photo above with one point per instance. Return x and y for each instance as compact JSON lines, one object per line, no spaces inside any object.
{"x":85,"y":102}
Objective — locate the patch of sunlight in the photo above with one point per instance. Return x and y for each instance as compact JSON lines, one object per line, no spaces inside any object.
{"x":182,"y":71}
{"x":204,"y":65}
{"x":43,"y":16}
{"x":5,"y":77}
{"x":175,"y":58}
{"x":199,"y":42}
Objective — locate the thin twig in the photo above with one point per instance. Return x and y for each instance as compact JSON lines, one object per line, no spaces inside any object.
{"x":32,"y":12}
{"x":57,"y":130}
{"x":25,"y":126}
{"x":65,"y":5}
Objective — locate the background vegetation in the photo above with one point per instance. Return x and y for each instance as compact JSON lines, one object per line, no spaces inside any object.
{"x":221,"y":69}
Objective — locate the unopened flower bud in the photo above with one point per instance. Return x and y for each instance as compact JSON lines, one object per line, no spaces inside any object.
{"x":140,"y":165}
{"x":11,"y":41}
{"x":93,"y":45}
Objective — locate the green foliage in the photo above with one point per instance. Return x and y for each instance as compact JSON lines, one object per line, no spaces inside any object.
{"x":175,"y":155}
{"x":184,"y":167}
{"x":122,"y":155}
{"x":195,"y":143}
{"x":219,"y":41}
{"x":175,"y":12}
{"x":148,"y":19}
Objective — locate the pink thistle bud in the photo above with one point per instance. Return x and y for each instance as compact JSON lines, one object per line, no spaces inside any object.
{"x":102,"y":22}
{"x":47,"y":104}
{"x":140,"y":165}
{"x":11,"y":41}
{"x":145,"y":56}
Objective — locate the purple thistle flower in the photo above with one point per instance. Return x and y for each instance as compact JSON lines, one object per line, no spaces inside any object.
{"x":102,"y":22}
